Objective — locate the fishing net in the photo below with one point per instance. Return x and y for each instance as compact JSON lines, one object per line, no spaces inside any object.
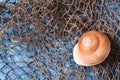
{"x":38,"y":37}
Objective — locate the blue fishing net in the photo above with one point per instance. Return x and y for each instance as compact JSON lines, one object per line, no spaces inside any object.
{"x":38,"y":37}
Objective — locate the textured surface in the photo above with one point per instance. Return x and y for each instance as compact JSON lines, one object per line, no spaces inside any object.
{"x":38,"y":36}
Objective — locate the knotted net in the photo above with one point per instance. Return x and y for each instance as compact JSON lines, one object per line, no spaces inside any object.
{"x":38,"y":36}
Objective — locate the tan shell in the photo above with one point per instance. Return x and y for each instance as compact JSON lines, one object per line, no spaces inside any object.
{"x":92,"y":48}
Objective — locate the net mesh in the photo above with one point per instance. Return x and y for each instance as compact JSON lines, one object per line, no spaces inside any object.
{"x":38,"y":36}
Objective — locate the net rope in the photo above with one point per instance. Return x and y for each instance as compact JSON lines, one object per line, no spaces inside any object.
{"x":38,"y":37}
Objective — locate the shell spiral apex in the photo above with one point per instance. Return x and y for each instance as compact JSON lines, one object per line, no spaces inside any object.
{"x":92,"y":48}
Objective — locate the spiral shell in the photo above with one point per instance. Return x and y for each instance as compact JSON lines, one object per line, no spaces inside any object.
{"x":92,"y":48}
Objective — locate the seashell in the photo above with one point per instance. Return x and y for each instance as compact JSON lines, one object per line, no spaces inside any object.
{"x":92,"y":48}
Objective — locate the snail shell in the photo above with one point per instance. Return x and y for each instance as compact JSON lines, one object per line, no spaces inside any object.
{"x":92,"y":48}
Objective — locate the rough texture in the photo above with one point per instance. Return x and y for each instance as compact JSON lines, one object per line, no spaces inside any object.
{"x":38,"y":36}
